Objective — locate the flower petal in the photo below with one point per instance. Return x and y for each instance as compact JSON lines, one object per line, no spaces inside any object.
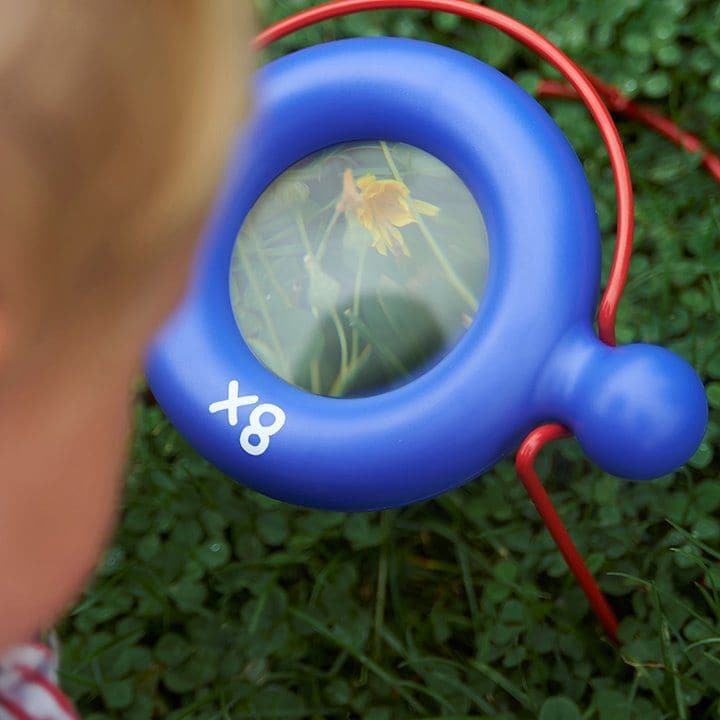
{"x":365,"y":181}
{"x":379,"y":242}
{"x":426,"y":208}
{"x":399,"y":240}
{"x":382,"y":207}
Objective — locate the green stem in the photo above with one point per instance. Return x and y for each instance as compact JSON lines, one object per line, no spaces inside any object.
{"x":333,"y":313}
{"x":287,"y":230}
{"x":266,"y":266}
{"x":342,"y":382}
{"x":452,"y":276}
{"x":247,"y":266}
{"x":356,"y":302}
{"x":326,"y":235}
{"x":386,"y":355}
{"x":382,"y":577}
{"x":303,"y":234}
{"x":315,"y":375}
{"x":391,"y":681}
{"x":343,"y":342}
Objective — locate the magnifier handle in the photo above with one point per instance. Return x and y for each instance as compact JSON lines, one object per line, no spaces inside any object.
{"x":638,"y":411}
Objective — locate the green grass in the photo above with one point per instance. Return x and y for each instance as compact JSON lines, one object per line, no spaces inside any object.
{"x":216,"y":603}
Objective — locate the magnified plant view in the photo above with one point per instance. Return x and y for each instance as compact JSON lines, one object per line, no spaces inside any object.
{"x":358,"y":268}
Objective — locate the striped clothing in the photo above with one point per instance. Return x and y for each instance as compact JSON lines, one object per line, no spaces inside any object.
{"x":28,"y":685}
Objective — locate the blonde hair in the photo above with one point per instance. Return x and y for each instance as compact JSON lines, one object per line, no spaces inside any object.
{"x":115,"y":120}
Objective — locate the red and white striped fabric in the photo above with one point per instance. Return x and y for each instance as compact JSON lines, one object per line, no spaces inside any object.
{"x":28,"y":685}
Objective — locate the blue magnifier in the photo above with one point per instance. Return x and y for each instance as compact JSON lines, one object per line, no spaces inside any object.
{"x":399,"y":283}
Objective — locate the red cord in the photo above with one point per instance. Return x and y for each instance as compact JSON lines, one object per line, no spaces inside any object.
{"x":524,"y":463}
{"x":647,"y":116}
{"x":532,"y":445}
{"x":592,"y":92}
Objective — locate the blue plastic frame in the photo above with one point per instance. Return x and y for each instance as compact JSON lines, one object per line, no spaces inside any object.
{"x":530,"y":355}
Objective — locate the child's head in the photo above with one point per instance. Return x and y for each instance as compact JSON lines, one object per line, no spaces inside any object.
{"x":115,"y":121}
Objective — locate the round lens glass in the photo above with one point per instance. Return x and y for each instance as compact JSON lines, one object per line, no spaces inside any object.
{"x":359,"y":268}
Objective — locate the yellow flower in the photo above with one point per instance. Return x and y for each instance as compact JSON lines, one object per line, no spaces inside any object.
{"x":382,"y":208}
